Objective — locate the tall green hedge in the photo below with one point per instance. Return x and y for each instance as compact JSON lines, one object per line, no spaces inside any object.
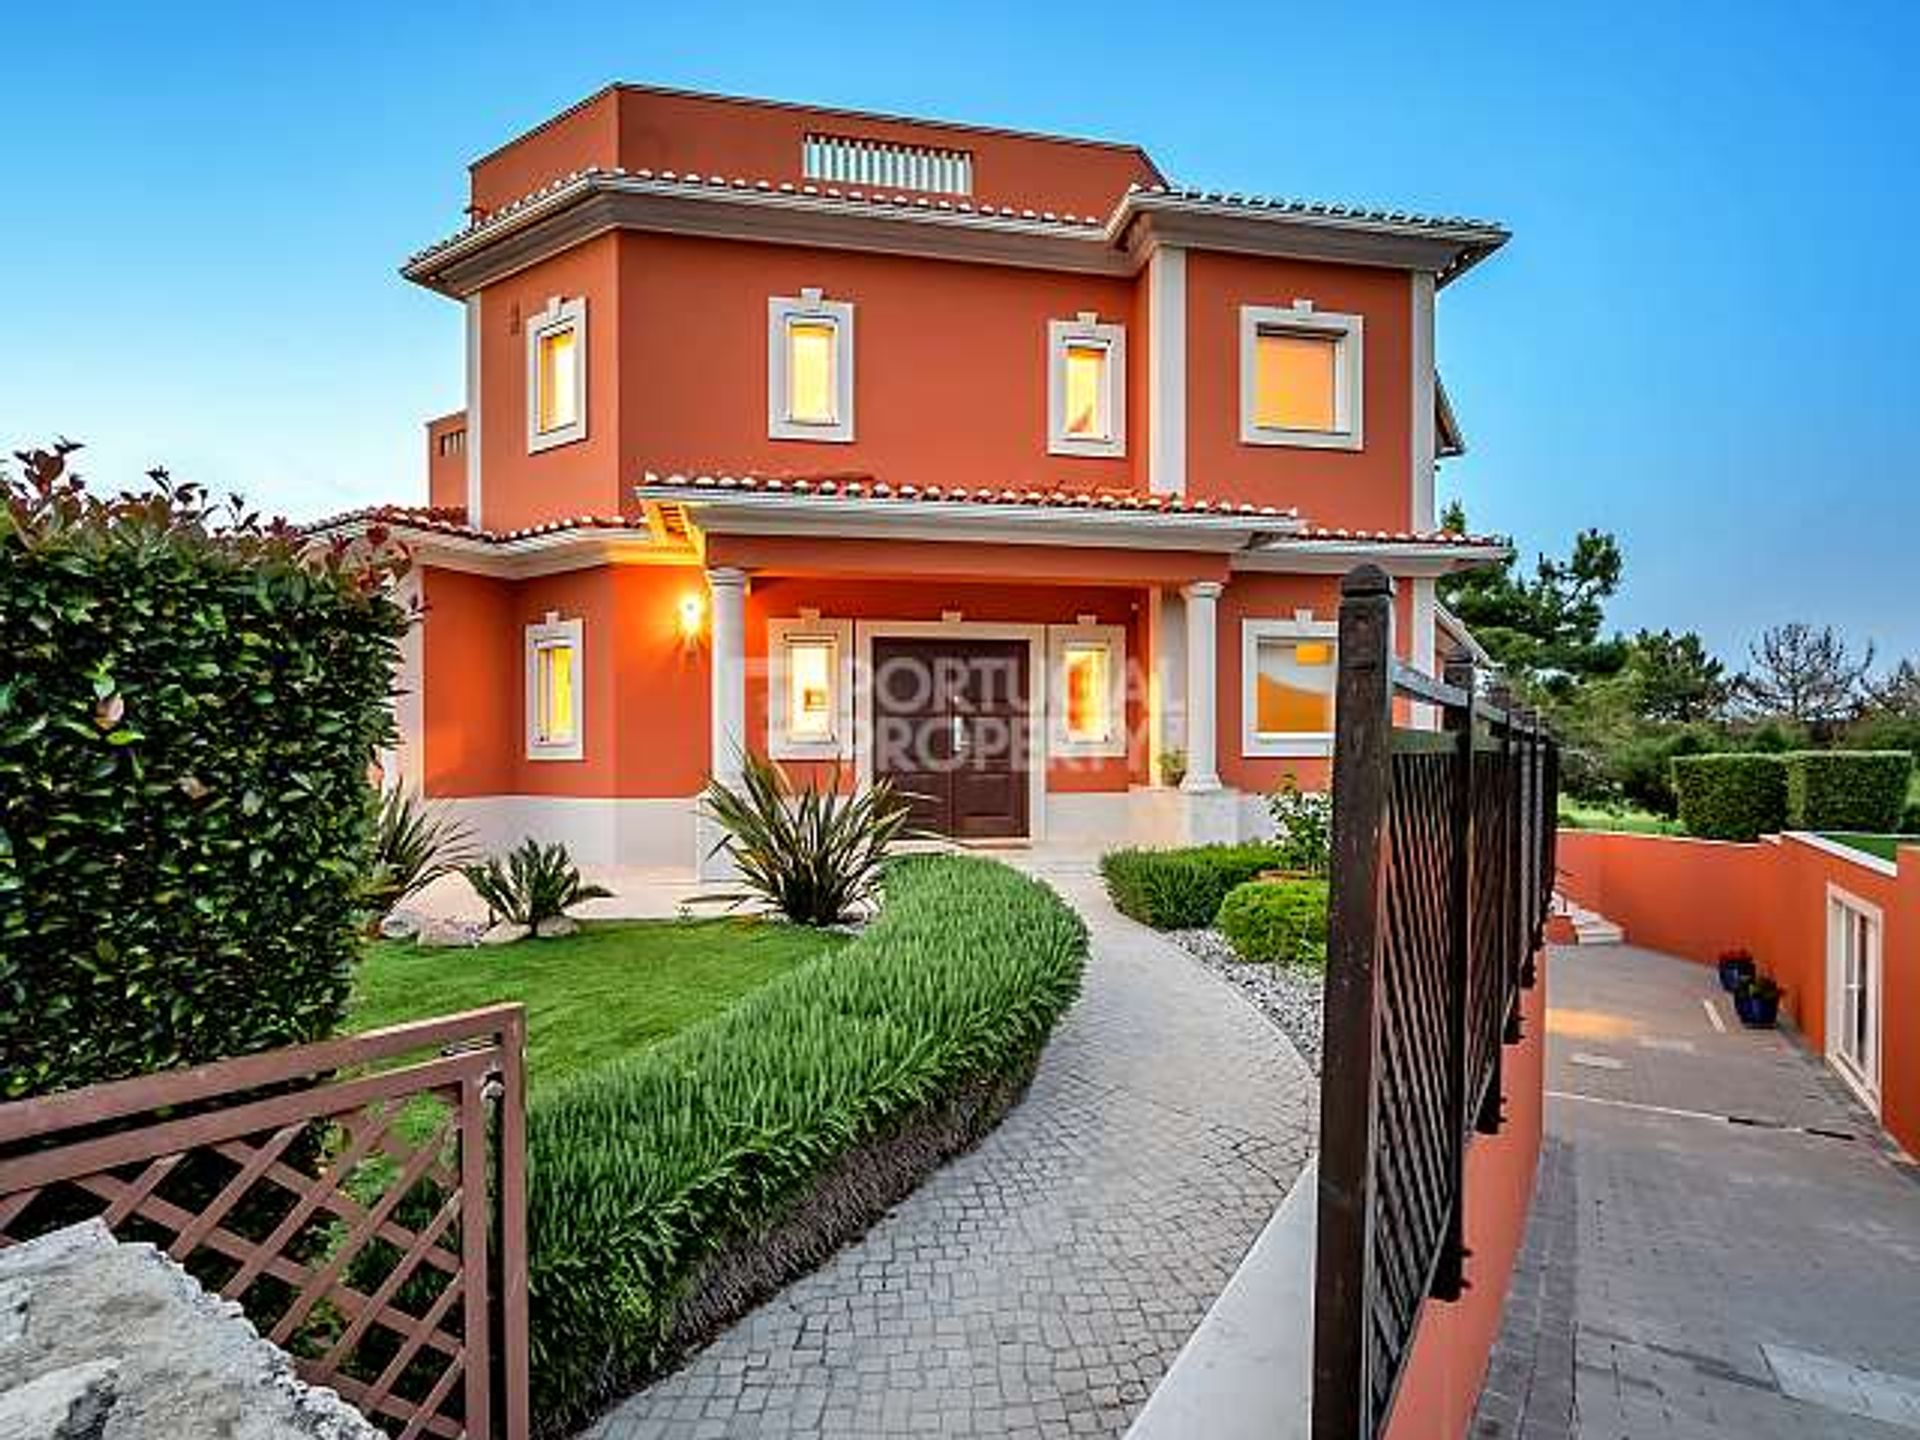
{"x":1862,"y":790}
{"x":1731,"y":797}
{"x":1181,"y":889}
{"x":642,"y":1172}
{"x":189,"y":706}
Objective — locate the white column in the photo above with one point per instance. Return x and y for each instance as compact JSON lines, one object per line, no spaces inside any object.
{"x":473,"y":410}
{"x":1167,"y":371}
{"x":1203,"y":773}
{"x":728,"y":707}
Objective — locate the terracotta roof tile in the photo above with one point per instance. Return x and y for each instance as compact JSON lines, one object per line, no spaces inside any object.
{"x":453,"y":521}
{"x":866,"y":487}
{"x":879,"y":199}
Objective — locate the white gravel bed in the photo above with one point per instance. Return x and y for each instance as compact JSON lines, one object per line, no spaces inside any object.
{"x":1290,"y":998}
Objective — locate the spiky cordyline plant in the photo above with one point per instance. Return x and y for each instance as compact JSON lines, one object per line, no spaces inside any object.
{"x":814,"y":854}
{"x":536,"y":883}
{"x":415,"y":843}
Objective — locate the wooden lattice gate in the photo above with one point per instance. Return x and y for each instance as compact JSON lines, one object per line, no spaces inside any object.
{"x":362,"y":1198}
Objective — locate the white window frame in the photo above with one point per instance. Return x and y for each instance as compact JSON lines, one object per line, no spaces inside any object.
{"x":559,"y":315}
{"x":781,"y":745}
{"x":1349,"y":372}
{"x":1290,"y":744}
{"x":1059,"y":639}
{"x":808,"y":307}
{"x":1086,"y":331}
{"x":548,"y":634}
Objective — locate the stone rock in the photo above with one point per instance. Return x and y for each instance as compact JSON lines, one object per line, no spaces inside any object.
{"x":447,"y":934}
{"x":116,"y":1342}
{"x":557,"y":927}
{"x":402,"y":924}
{"x":71,"y":1403}
{"x":506,"y":933}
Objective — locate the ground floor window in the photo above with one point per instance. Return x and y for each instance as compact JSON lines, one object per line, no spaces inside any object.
{"x":809,"y":690}
{"x":554,"y":716}
{"x":1287,"y":673}
{"x":1087,"y":663}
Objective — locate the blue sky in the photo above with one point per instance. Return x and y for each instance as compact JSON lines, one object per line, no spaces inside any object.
{"x":1702,"y":336}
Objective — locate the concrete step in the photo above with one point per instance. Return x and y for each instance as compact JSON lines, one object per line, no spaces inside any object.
{"x":1588,"y":928}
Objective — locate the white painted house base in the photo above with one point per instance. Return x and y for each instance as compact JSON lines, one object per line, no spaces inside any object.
{"x":669,"y":836}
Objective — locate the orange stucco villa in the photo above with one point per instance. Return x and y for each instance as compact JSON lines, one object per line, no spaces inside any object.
{"x":992,"y":463}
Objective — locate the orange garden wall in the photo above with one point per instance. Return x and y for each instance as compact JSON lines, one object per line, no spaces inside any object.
{"x":1442,"y":1383}
{"x":1696,"y":898}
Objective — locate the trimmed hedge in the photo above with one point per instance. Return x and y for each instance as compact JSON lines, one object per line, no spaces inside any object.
{"x":1283,"y":921}
{"x":672,"y":1189}
{"x":1731,"y":797}
{"x":189,"y":705}
{"x":1181,"y":889}
{"x":1863,"y":790}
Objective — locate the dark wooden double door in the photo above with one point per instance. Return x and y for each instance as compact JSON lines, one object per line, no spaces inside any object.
{"x":951,"y":730}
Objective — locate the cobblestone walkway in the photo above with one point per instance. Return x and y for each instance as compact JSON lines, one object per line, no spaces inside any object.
{"x":1722,"y":1244}
{"x":1040,"y":1285}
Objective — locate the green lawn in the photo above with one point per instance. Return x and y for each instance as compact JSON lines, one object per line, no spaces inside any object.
{"x":1637,"y":822}
{"x":616,"y":987}
{"x":1883,"y":846}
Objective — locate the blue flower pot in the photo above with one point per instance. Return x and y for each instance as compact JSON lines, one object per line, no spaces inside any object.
{"x":1759,"y":1012}
{"x":1734,"y":973}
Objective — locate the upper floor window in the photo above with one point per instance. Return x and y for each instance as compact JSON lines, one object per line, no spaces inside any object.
{"x":1300,"y":377}
{"x":1287,"y":675}
{"x":1086,"y":387}
{"x":809,"y":368}
{"x":557,"y":374}
{"x":554,"y":716}
{"x":846,"y":160}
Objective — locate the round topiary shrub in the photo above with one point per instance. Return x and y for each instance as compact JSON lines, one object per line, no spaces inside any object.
{"x":1281,"y":921}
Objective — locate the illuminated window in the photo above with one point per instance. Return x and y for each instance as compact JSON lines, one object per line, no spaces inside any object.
{"x":1086,"y":387}
{"x":810,"y":372}
{"x":809,"y":688}
{"x":557,"y":374}
{"x":809,"y":368}
{"x":1088,"y":666}
{"x":1293,"y":381}
{"x":1289,"y":675}
{"x":1087,"y":686}
{"x":1300,"y":377}
{"x":554,"y":716}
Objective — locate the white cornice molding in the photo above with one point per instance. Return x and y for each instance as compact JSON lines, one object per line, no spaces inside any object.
{"x":588,"y":205}
{"x":1398,"y":557}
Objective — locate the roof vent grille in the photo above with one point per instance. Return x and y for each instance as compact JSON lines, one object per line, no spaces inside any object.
{"x":846,"y":160}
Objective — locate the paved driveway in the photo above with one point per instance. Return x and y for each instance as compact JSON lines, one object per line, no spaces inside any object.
{"x":1722,"y":1243}
{"x":1043,"y":1283}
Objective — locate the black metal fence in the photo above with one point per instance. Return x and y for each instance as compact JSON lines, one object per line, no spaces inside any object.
{"x":1442,"y":870}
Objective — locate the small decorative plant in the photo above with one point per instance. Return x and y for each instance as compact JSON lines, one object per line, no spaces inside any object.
{"x":415,"y":843}
{"x":815,"y":854}
{"x":1284,"y":922}
{"x":1302,"y":827}
{"x":533,"y":889}
{"x":1173,"y":767}
{"x":1736,"y":969}
{"x":1757,"y":1002}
